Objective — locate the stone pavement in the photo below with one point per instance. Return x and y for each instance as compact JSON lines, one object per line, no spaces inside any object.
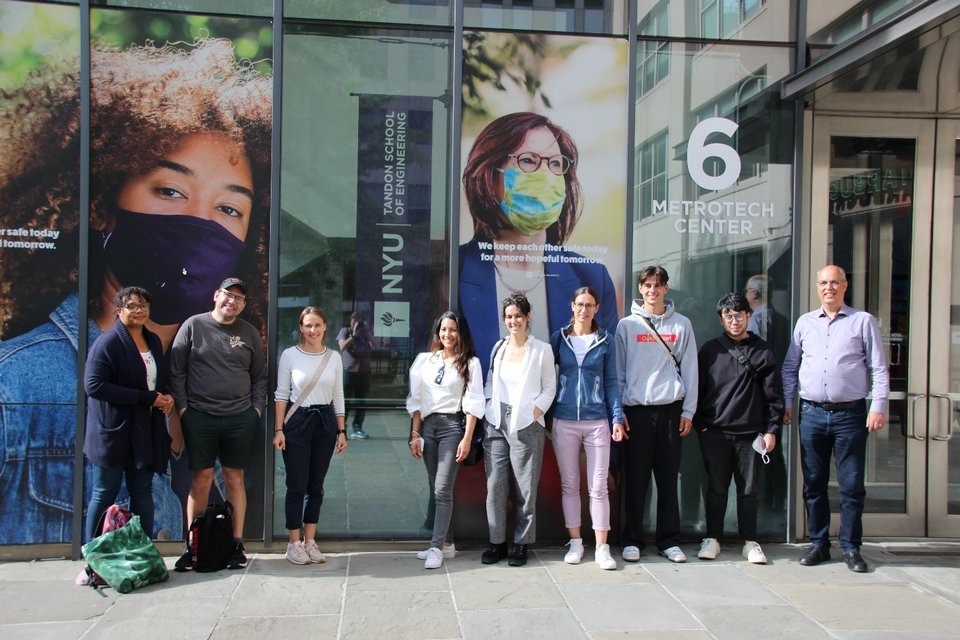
{"x":912,"y":591}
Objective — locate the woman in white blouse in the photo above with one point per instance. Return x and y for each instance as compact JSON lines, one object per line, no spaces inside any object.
{"x":520,"y":385}
{"x":445,"y":402}
{"x":310,"y":378}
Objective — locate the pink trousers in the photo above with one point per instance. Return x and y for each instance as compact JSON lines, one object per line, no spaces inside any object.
{"x":569,"y":436}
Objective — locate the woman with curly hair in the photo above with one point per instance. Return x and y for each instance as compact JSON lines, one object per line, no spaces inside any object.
{"x":521,"y":186}
{"x":179,"y":200}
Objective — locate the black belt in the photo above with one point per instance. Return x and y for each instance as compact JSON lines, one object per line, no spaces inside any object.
{"x":835,"y":406}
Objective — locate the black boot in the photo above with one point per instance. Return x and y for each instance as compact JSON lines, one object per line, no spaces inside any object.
{"x":494,"y":553}
{"x":518,"y":555}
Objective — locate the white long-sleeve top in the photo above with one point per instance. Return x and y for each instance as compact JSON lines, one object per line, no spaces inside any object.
{"x":295,"y":370}
{"x":537,"y":388}
{"x":427,"y":396}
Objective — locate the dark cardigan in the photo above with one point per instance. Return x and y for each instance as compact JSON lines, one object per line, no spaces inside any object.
{"x":122,"y":426}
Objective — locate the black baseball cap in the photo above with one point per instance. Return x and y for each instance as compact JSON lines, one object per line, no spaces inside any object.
{"x":233,"y":282}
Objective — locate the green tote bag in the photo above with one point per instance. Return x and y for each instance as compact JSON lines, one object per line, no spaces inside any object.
{"x":126,"y":558}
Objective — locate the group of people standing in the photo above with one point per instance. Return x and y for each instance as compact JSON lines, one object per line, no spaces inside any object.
{"x":646,"y":386}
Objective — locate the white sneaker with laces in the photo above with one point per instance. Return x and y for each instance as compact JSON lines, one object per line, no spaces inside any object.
{"x":313,"y":552}
{"x":575,"y":554}
{"x":753,"y":553}
{"x":631,"y":553}
{"x":434,"y":559}
{"x":674,"y":554}
{"x":296,"y":554}
{"x":603,"y":558}
{"x":709,"y":549}
{"x":449,"y":552}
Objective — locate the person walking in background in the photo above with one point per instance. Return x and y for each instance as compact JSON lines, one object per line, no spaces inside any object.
{"x":587,"y":403}
{"x":740,"y":398}
{"x":835,"y":359}
{"x":126,"y":437}
{"x":308,"y":429}
{"x":445,"y":402}
{"x":520,"y":387}
{"x":657,"y":379}
{"x":218,"y":380}
{"x":356,"y":345}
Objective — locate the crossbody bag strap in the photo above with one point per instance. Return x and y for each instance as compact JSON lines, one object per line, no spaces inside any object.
{"x":737,"y":354}
{"x":656,"y":334}
{"x":324,"y":359}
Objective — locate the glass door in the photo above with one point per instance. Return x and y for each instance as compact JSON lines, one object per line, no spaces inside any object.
{"x":872,"y":215}
{"x":943,"y":444}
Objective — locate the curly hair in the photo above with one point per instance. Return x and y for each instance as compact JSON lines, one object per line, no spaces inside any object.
{"x":144,"y":101}
{"x":489,"y":153}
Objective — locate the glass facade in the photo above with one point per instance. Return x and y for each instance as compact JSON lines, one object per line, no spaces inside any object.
{"x":681,"y":153}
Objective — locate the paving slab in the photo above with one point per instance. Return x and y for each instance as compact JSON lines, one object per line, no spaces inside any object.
{"x":393,"y":572}
{"x":713,"y":585}
{"x":760,"y":621}
{"x":70,"y":630}
{"x":273,"y":587}
{"x":530,"y":624}
{"x":399,"y":614}
{"x":627,"y":607}
{"x":490,"y":587}
{"x":881,"y":606}
{"x":587,"y":572}
{"x":253,"y":628}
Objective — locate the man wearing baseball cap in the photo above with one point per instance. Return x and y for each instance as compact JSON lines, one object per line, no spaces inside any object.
{"x":218,"y":381}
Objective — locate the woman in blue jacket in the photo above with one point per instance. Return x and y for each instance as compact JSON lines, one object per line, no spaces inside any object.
{"x":587,"y":403}
{"x":126,"y":436}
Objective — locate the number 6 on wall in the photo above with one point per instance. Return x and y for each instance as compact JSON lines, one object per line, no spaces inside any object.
{"x":698,"y":152}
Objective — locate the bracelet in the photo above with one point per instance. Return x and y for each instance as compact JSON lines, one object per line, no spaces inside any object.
{"x":278,"y":430}
{"x":411,"y":443}
{"x":342,"y":432}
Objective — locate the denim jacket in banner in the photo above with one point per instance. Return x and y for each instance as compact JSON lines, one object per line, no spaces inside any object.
{"x":587,"y":391}
{"x":38,"y":413}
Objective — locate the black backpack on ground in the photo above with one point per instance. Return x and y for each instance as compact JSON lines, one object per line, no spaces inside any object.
{"x":210,"y":538}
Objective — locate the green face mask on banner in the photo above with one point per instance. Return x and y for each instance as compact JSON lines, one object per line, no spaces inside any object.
{"x":532,"y":201}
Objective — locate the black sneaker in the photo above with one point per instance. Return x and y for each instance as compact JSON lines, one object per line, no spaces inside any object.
{"x":237,"y":559}
{"x":185,"y":561}
{"x":494,"y":553}
{"x":518,"y":555}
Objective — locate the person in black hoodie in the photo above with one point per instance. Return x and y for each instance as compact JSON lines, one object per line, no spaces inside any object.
{"x":739,"y":412}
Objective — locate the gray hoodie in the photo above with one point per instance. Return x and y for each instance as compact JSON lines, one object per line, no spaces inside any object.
{"x":646,"y":375}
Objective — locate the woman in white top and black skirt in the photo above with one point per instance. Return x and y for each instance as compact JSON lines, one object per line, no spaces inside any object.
{"x":445,"y":402}
{"x":520,"y":385}
{"x":310,"y":376}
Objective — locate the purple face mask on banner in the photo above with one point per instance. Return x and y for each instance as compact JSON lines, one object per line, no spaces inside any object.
{"x":180,"y":260}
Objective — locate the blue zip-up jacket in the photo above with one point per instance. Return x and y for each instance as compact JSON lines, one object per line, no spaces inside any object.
{"x":587,"y":391}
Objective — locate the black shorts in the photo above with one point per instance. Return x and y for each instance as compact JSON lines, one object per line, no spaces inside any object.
{"x":209,"y":437}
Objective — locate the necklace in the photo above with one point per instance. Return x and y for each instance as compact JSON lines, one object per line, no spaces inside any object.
{"x":512,"y":289}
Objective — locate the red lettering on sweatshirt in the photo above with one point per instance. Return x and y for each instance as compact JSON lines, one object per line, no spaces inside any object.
{"x":667,"y":337}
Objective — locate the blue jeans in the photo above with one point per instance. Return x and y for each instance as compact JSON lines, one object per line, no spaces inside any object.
{"x":106,"y":487}
{"x":843,"y":434}
{"x":311,"y":435}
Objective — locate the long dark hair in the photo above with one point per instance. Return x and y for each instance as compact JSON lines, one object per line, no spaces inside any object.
{"x":464,"y":350}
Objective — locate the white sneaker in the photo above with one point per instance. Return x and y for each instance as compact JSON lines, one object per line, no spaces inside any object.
{"x":296,"y":553}
{"x":449,"y":552}
{"x":753,"y":553}
{"x":313,"y":552}
{"x":631,"y":553}
{"x":434,"y":559}
{"x":709,"y":549}
{"x":575,"y":554}
{"x":674,"y":554}
{"x":603,"y":558}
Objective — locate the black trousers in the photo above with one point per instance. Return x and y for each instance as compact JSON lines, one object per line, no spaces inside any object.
{"x":654,"y":446}
{"x":727,"y":456}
